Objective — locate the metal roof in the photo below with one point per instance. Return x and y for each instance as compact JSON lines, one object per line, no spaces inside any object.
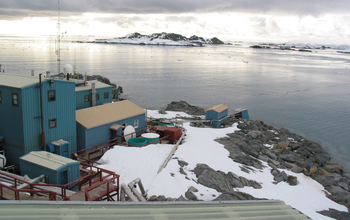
{"x":218,"y":108}
{"x":253,"y":209}
{"x":107,"y":113}
{"x":98,"y":85}
{"x":47,"y":159}
{"x":18,"y":81}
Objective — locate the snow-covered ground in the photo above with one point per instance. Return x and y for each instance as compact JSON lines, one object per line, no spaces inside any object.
{"x":199,"y":147}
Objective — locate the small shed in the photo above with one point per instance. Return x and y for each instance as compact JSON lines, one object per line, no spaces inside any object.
{"x":216,"y":115}
{"x":57,"y":169}
{"x":101,"y":123}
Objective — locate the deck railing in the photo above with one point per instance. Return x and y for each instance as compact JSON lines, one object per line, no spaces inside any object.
{"x":104,"y":176}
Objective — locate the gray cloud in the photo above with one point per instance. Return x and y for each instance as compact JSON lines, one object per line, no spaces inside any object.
{"x":20,"y":8}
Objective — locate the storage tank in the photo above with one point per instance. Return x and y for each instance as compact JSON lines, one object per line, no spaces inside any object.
{"x":138,"y":142}
{"x":150,"y":137}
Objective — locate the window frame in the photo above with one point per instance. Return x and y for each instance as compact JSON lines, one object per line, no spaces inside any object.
{"x":13,"y":100}
{"x":53,"y":120}
{"x":136,"y":123}
{"x":86,"y":98}
{"x":54,"y":95}
{"x":0,"y":97}
{"x":97,"y":96}
{"x":106,"y":95}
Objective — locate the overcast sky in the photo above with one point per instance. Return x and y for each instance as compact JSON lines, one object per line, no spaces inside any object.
{"x":321,"y":21}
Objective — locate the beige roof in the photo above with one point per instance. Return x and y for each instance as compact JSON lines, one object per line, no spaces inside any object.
{"x":18,"y":81}
{"x":47,"y":159}
{"x":218,"y":108}
{"x":108,"y":113}
{"x":88,"y":86}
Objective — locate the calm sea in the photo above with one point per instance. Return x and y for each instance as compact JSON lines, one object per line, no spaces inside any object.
{"x":305,"y":92}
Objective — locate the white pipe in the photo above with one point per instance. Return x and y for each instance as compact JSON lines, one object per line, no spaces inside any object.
{"x":35,"y":180}
{"x":125,"y":190}
{"x":173,"y":151}
{"x":93,"y":94}
{"x":132,"y":186}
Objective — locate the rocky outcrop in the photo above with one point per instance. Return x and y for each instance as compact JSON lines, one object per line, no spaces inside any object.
{"x":183,"y":107}
{"x":150,"y":39}
{"x":222,"y":182}
{"x":281,"y":149}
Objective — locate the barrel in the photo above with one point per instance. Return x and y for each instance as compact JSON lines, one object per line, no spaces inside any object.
{"x":139,"y":142}
{"x":150,"y":137}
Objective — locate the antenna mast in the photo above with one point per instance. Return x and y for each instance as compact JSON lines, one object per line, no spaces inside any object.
{"x":58,"y":51}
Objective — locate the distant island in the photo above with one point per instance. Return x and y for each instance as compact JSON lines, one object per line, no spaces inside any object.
{"x":164,"y":39}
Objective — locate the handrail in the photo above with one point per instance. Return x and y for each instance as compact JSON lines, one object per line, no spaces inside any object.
{"x":52,"y":195}
{"x":110,"y":176}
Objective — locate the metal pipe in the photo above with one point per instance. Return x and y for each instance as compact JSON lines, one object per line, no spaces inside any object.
{"x":173,"y":151}
{"x":93,"y":94}
{"x":42,"y":135}
{"x":125,"y":190}
{"x":132,"y":186}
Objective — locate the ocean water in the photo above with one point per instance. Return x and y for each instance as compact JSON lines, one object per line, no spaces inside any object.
{"x":307,"y":93}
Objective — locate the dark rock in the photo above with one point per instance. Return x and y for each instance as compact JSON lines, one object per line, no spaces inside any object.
{"x":185,"y":107}
{"x":234,"y":180}
{"x":333,"y":213}
{"x":289,"y":157}
{"x":292,"y":180}
{"x":254,"y":134}
{"x":182,"y":163}
{"x":282,"y":176}
{"x":234,"y":196}
{"x":182,"y":171}
{"x":191,"y":196}
{"x":333,"y":168}
{"x":249,"y":161}
{"x":181,"y":198}
{"x":297,"y":169}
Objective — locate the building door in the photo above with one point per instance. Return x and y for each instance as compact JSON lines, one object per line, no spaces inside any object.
{"x":64,"y":150}
{"x":63,"y":177}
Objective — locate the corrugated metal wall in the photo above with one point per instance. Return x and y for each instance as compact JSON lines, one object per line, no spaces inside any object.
{"x":11,"y":123}
{"x":62,"y":109}
{"x":101,"y":134}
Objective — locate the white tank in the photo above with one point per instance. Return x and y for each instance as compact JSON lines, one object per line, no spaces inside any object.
{"x":2,"y":161}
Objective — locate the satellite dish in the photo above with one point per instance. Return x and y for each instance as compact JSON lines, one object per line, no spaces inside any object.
{"x":129,"y":132}
{"x":67,"y":69}
{"x":2,"y":161}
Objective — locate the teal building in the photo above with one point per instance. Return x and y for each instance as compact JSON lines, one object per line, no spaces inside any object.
{"x":216,"y":115}
{"x":99,"y":124}
{"x":92,"y":93}
{"x":32,"y":116}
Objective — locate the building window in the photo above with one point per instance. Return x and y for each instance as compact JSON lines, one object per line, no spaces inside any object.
{"x":97,"y":96}
{"x":53,"y":123}
{"x":15,"y":99}
{"x":106,"y":95}
{"x":87,"y":98}
{"x":0,"y":97}
{"x":136,"y":123}
{"x":52,"y":95}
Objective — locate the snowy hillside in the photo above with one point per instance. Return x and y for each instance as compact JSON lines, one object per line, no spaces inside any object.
{"x":163,"y":38}
{"x":200,"y":147}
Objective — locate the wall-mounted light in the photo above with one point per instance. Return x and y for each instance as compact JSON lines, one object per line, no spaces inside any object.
{"x":51,"y":81}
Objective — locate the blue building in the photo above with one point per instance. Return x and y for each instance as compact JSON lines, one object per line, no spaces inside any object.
{"x":85,"y":98}
{"x":217,"y":115}
{"x":57,"y":169}
{"x":31,"y":117}
{"x":101,"y":123}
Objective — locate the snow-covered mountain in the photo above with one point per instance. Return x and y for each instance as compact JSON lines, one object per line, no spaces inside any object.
{"x":163,"y":38}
